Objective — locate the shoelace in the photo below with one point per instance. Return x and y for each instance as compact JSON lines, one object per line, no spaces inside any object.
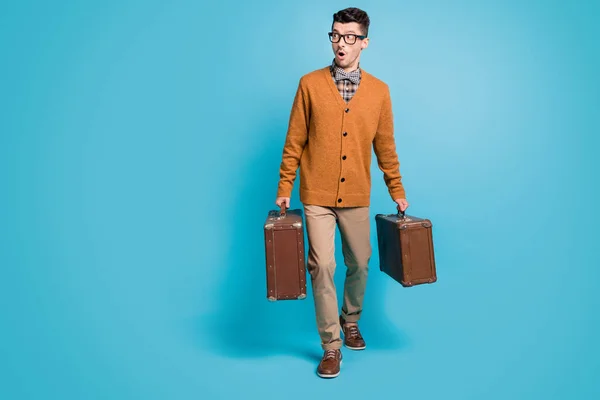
{"x":330,"y":354}
{"x":353,"y":331}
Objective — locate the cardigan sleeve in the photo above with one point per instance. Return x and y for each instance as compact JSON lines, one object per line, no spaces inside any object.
{"x":385,"y":149}
{"x":295,"y":141}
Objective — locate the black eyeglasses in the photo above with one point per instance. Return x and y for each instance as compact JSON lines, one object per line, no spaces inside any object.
{"x":349,"y":38}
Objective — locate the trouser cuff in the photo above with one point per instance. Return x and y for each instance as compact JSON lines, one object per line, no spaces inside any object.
{"x":335,"y":345}
{"x":351,"y":317}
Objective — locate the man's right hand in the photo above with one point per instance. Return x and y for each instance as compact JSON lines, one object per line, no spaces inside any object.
{"x":283,"y":200}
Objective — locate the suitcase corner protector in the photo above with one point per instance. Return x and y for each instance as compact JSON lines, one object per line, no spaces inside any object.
{"x":269,"y":226}
{"x":302,"y":296}
{"x":271,"y":298}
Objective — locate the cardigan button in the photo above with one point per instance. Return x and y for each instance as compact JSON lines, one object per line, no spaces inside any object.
{"x":339,"y":200}
{"x":344,"y":157}
{"x":343,"y":179}
{"x":347,"y":109}
{"x":345,"y":133}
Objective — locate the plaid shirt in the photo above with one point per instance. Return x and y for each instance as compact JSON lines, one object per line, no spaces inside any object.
{"x":346,"y":87}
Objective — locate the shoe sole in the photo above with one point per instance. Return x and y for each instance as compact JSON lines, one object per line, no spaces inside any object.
{"x":355,"y":348}
{"x":328,"y":376}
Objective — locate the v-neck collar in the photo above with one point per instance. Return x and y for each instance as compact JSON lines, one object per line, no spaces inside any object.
{"x":364,"y":80}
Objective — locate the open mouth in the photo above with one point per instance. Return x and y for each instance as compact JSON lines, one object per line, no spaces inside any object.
{"x":341,"y":53}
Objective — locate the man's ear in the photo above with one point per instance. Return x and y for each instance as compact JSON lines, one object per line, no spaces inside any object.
{"x":364,"y":44}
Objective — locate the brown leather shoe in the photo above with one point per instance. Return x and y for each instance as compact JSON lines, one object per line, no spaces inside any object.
{"x":352,"y":337}
{"x":329,"y":367}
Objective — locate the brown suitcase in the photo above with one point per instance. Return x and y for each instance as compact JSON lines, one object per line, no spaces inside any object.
{"x":406,"y":248}
{"x":284,"y":251}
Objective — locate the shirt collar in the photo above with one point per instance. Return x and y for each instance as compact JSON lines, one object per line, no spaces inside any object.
{"x":333,"y":67}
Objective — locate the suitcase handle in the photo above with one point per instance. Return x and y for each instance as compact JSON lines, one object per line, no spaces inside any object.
{"x":401,"y":214}
{"x":282,"y":210}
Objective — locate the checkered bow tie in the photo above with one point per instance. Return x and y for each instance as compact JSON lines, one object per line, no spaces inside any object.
{"x":353,"y":76}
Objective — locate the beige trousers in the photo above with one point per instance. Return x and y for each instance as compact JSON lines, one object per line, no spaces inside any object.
{"x":354,"y":226}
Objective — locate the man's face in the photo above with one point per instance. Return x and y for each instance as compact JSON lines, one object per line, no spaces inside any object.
{"x":347,"y":55}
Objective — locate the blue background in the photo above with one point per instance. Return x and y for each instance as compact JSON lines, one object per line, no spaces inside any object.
{"x":139,"y":153}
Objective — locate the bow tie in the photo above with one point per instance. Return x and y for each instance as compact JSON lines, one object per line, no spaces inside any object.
{"x":353,"y":76}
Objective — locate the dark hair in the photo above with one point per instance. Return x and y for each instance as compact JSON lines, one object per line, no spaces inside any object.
{"x":353,"y":14}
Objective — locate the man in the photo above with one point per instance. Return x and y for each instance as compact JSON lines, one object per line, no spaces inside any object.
{"x":338,"y":113}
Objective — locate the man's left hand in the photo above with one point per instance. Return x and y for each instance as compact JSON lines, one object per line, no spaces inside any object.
{"x":402,"y":204}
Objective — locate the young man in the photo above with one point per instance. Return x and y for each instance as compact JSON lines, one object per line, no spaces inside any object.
{"x":338,"y":113}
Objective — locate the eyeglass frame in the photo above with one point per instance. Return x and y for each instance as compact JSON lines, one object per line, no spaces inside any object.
{"x":330,"y":34}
